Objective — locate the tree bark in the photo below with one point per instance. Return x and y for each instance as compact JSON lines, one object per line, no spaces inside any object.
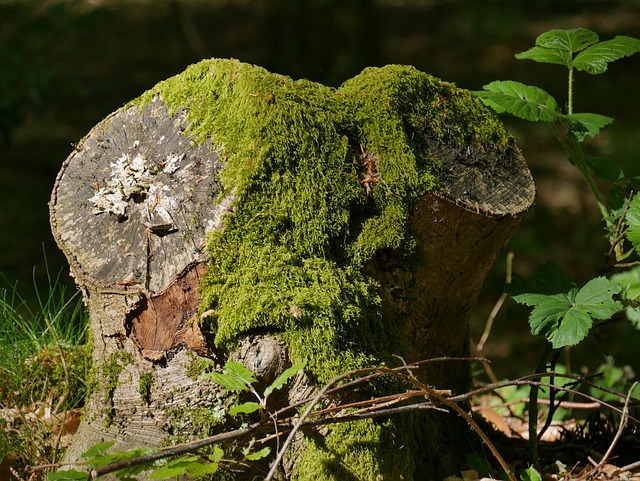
{"x":131,"y":209}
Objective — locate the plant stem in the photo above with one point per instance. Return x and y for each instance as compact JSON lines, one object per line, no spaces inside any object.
{"x":570,"y":89}
{"x":533,"y":408}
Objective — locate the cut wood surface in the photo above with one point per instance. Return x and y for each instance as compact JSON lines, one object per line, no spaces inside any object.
{"x":133,"y":206}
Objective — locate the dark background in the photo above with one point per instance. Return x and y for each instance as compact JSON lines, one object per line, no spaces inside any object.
{"x":65,"y":65}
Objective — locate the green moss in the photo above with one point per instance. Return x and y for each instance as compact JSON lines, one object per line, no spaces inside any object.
{"x":144,"y":386}
{"x":110,"y":371}
{"x":324,"y":179}
{"x":199,"y":365}
{"x":363,"y":450}
{"x":188,"y":422}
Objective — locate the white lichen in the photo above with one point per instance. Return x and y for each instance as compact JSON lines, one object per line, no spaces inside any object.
{"x":128,"y":178}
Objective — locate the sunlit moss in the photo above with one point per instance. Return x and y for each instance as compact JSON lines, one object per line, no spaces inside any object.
{"x":324,"y":179}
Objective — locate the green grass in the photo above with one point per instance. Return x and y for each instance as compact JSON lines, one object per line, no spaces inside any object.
{"x":44,"y":362}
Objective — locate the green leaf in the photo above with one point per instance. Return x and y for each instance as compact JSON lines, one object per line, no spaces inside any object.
{"x":633,"y":222}
{"x":228,"y":382}
{"x":524,"y":101}
{"x":558,"y":46}
{"x":630,"y":282}
{"x":68,"y":475}
{"x":116,"y":456}
{"x":235,"y":377}
{"x":190,"y":465}
{"x":530,"y":474}
{"x":238,"y":370}
{"x":247,"y":408}
{"x":633,"y":314}
{"x":96,"y":450}
{"x":596,"y":58}
{"x":258,"y":454}
{"x":565,"y":318}
{"x":582,"y":125}
{"x":283,"y":378}
{"x":572,"y":40}
{"x":217,"y":454}
{"x":545,"y":55}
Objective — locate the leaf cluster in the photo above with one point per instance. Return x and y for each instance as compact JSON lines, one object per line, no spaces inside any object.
{"x":236,"y":377}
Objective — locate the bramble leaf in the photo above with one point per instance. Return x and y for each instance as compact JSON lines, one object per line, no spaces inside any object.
{"x":284,"y":377}
{"x":596,"y":58}
{"x":572,"y":40}
{"x":582,"y":125}
{"x":524,"y":101}
{"x":247,"y":408}
{"x":558,"y":46}
{"x":565,"y":318}
{"x":68,"y":475}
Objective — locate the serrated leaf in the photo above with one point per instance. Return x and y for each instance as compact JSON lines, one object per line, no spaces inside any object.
{"x":565,"y":318}
{"x":595,"y":298}
{"x":547,"y":313}
{"x":587,"y":124}
{"x":247,"y":408}
{"x":524,"y":101}
{"x":96,"y":450}
{"x":558,"y":46}
{"x":572,"y":40}
{"x":545,"y":55}
{"x":68,"y":475}
{"x":632,"y":220}
{"x":258,"y":454}
{"x":573,"y":328}
{"x":284,"y":377}
{"x":596,"y":58}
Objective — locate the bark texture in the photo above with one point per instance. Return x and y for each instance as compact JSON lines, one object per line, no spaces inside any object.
{"x":131,"y":209}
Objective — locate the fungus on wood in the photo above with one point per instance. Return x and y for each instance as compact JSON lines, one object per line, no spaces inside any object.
{"x":232,"y":212}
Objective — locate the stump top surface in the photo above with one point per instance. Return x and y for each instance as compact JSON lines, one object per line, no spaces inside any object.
{"x":127,"y":208}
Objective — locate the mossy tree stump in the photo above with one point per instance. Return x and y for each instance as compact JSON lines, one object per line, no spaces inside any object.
{"x":231,"y":212}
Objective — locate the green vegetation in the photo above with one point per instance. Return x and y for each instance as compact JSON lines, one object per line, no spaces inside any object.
{"x":323,"y":179}
{"x":563,"y":313}
{"x":44,"y":364}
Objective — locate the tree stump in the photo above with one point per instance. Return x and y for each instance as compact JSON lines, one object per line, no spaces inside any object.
{"x":231,"y":212}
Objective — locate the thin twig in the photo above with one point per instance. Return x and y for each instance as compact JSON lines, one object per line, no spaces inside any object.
{"x":623,"y":423}
{"x":306,"y":413}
